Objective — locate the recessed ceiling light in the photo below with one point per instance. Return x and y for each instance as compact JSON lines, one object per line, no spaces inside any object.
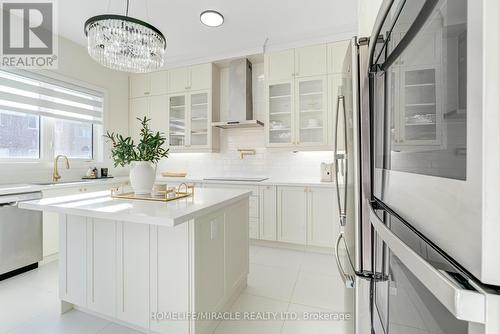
{"x":211,"y":18}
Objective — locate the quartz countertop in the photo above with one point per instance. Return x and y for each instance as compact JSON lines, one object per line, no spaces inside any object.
{"x":7,"y":189}
{"x":101,"y":205}
{"x":311,"y":182}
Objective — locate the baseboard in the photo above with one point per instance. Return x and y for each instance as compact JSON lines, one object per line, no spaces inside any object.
{"x":49,"y":258}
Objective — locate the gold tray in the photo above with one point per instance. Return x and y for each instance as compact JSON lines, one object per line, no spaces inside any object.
{"x":157,"y":198}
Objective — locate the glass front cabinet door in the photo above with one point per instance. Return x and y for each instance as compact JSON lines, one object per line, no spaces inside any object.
{"x":177,"y":112}
{"x":311,"y":110}
{"x":199,"y":120}
{"x":280,"y":122}
{"x":190,"y":121}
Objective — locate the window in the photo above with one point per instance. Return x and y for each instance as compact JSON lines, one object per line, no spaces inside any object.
{"x":43,"y":116}
{"x":73,"y":139}
{"x":19,"y":135}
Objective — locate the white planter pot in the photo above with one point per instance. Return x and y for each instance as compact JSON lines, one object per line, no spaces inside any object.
{"x":142,"y":177}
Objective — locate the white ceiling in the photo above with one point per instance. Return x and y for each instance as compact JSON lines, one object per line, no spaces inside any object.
{"x":247,"y":24}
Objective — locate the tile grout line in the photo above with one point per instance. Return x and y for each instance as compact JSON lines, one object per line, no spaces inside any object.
{"x":291,"y":296}
{"x":105,"y":326}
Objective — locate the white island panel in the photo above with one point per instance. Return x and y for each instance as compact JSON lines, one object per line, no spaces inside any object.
{"x":131,"y":271}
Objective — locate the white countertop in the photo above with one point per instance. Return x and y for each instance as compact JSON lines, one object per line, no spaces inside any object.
{"x":101,"y":205}
{"x":271,"y":181}
{"x":7,"y":189}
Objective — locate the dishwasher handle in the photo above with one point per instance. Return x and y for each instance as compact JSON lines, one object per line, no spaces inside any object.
{"x":9,"y":204}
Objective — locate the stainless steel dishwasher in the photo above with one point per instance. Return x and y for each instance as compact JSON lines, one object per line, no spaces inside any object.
{"x":20,"y":235}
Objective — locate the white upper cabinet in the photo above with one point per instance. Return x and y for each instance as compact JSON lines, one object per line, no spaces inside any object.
{"x":280,"y":122}
{"x":337,"y":53}
{"x":302,"y":89}
{"x":192,"y":78}
{"x":311,"y":110}
{"x":154,"y":108}
{"x":138,"y":85}
{"x":279,"y":65}
{"x":182,"y":103}
{"x":138,"y":108}
{"x":178,"y":79}
{"x":311,"y":60}
{"x":158,"y":113}
{"x":158,"y":82}
{"x":154,"y":83}
{"x":200,"y":77}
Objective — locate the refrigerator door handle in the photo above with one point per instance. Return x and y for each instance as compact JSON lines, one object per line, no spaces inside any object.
{"x":342,"y":207}
{"x":464,"y":304}
{"x":346,"y":278}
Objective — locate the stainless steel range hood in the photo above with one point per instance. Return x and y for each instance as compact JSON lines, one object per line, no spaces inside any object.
{"x":240,"y":113}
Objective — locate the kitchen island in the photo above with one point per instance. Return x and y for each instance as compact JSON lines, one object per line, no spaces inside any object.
{"x":154,"y":266}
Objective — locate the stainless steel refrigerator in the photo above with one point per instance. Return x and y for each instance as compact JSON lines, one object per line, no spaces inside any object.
{"x":421,"y":217}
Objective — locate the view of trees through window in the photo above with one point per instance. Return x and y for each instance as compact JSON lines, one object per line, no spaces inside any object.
{"x":19,"y":135}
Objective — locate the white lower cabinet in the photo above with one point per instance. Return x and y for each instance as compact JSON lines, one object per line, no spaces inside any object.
{"x":307,"y":215}
{"x":267,"y":213}
{"x":292,"y":214}
{"x":322,"y":226}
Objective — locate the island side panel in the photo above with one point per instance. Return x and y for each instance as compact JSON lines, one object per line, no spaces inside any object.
{"x":101,"y":266}
{"x":133,"y":243}
{"x":72,"y":259}
{"x":170,"y":262}
{"x":221,"y":261}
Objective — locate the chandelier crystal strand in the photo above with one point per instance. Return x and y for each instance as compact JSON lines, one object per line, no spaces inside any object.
{"x":125,"y":44}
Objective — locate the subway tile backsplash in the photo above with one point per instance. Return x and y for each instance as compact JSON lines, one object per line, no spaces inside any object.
{"x":266,"y":162}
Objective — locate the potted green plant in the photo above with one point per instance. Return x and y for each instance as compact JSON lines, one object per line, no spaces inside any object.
{"x":142,"y":157}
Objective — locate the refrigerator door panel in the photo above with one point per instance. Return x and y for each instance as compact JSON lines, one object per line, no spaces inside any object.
{"x":433,"y":159}
{"x":417,"y":286}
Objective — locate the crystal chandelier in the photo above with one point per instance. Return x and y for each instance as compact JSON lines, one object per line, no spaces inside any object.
{"x":125,"y":44}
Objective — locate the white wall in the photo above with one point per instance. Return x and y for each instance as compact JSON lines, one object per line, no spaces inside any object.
{"x":267,"y":162}
{"x":367,"y":13}
{"x":76,"y":65}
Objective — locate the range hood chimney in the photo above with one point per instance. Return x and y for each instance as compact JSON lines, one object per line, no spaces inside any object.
{"x":240,"y":113}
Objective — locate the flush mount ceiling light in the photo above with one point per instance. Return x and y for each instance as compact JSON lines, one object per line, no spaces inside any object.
{"x":124,"y":43}
{"x":211,"y":18}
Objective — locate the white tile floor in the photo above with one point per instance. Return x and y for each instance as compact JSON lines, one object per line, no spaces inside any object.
{"x":279,"y":281}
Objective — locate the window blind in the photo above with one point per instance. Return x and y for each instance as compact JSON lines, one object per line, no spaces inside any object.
{"x":36,"y":94}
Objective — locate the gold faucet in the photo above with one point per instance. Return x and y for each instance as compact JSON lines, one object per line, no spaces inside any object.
{"x":246,"y":151}
{"x":55,"y":175}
